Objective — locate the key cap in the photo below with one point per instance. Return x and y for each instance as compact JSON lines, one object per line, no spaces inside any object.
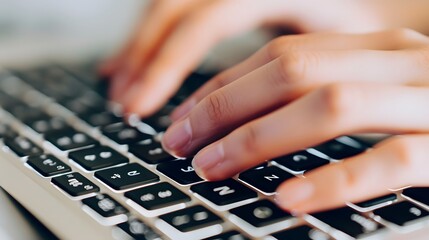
{"x":105,"y":205}
{"x":377,"y":201}
{"x":191,"y":218}
{"x":27,"y":114}
{"x":48,"y":125}
{"x":348,"y":221}
{"x":128,"y":176}
{"x":48,"y":165}
{"x":420,"y":194}
{"x":401,"y":214}
{"x":75,"y":184}
{"x":223,"y":192}
{"x":123,"y":134}
{"x":231,"y":235}
{"x":138,"y":230}
{"x":337,"y":150}
{"x":157,"y":196}
{"x":79,"y":107}
{"x":68,"y":139}
{"x":180,"y":171}
{"x":22,"y":146}
{"x":101,"y":119}
{"x":150,"y":151}
{"x":97,"y":157}
{"x":301,"y":161}
{"x":265,"y":178}
{"x":160,"y":121}
{"x":261,"y":213}
{"x":302,"y":233}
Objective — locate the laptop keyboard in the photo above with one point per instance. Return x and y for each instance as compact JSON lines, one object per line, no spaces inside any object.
{"x":59,"y":123}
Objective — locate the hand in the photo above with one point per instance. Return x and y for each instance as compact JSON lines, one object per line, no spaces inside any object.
{"x":299,"y":91}
{"x":174,"y":36}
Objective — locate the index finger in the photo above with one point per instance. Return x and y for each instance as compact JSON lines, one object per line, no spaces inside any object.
{"x":184,"y":50}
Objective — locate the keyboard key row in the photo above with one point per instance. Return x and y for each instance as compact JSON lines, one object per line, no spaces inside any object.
{"x":97,"y":157}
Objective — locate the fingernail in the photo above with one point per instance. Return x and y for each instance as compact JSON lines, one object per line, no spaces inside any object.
{"x":208,"y":158}
{"x":294,"y":193}
{"x":183,"y":109}
{"x":178,"y":136}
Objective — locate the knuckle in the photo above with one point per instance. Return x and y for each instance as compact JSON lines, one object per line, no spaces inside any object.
{"x":221,"y":80}
{"x":277,"y":46}
{"x":250,"y":139}
{"x":348,"y":176}
{"x":404,"y":148}
{"x":293,"y":67}
{"x":218,"y":107}
{"x":338,"y":101}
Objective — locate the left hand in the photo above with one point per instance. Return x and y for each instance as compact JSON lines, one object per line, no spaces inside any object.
{"x":299,"y":91}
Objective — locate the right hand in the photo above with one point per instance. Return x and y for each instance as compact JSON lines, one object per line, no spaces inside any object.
{"x":174,"y":36}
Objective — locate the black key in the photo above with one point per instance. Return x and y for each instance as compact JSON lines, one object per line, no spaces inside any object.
{"x":101,"y":119}
{"x":150,"y":151}
{"x":123,"y":134}
{"x":180,"y":171}
{"x":157,"y":196}
{"x":128,"y":176}
{"x":231,"y":235}
{"x":28,"y":114}
{"x":401,"y":214}
{"x":160,"y":121}
{"x":138,"y":230}
{"x":265,"y":178}
{"x":261,"y":213}
{"x":22,"y":146}
{"x":348,"y":221}
{"x":376,"y":201}
{"x":48,"y":165}
{"x":223,"y":192}
{"x":337,"y":150}
{"x":420,"y":194}
{"x":301,"y":161}
{"x":97,"y":157}
{"x":69,"y":139}
{"x":192,"y":83}
{"x":75,"y":184}
{"x":302,"y":233}
{"x":48,"y":124}
{"x":79,"y":107}
{"x":105,"y":205}
{"x":192,"y":218}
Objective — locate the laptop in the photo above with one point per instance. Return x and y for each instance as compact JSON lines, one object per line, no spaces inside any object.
{"x":71,"y":160}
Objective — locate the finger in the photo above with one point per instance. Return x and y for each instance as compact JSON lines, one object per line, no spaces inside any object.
{"x":281,"y":81}
{"x":324,"y":114}
{"x":395,"y":163}
{"x":181,"y":53}
{"x":157,"y":23}
{"x":387,"y":40}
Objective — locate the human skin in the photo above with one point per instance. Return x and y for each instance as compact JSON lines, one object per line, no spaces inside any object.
{"x":299,"y":91}
{"x":174,"y":36}
{"x":293,"y":88}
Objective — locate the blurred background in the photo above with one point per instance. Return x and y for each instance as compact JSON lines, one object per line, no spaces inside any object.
{"x":31,"y":31}
{"x":50,"y":30}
